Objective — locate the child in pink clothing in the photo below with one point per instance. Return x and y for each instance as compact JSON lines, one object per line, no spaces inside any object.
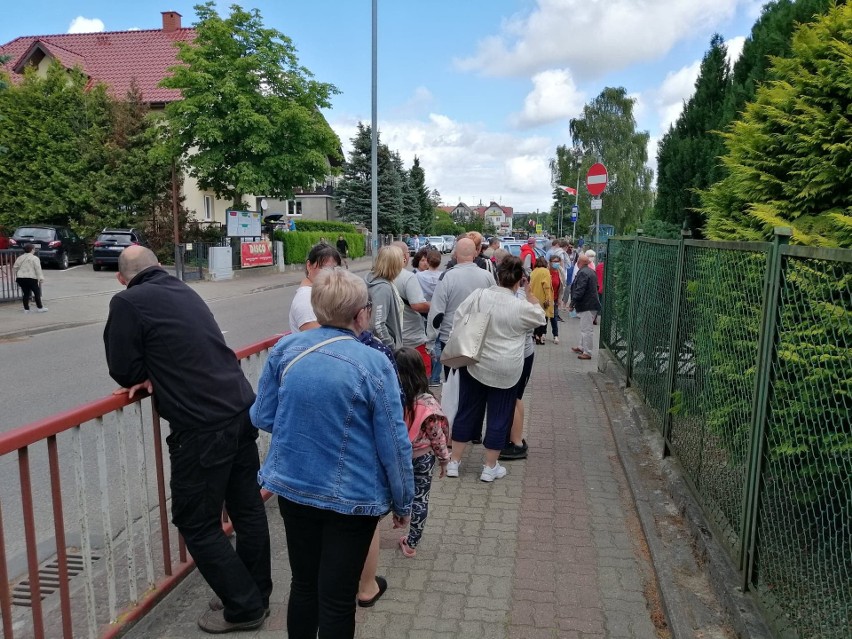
{"x":428,"y":430}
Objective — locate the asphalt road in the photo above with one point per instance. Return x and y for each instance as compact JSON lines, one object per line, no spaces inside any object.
{"x":54,"y":361}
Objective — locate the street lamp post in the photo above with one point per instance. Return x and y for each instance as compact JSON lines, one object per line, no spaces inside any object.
{"x":374,"y":163}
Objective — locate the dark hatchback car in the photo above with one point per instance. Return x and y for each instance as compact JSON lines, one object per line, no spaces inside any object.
{"x":57,"y":245}
{"x":110,"y":244}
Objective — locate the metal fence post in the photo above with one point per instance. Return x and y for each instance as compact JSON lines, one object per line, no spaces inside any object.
{"x":632,"y":307}
{"x":760,"y":401}
{"x":674,"y":353}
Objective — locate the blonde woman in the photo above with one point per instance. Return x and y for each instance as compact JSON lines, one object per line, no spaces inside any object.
{"x":541,"y":288}
{"x":386,"y":321}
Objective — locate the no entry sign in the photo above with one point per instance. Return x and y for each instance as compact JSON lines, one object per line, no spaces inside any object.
{"x":596,"y":179}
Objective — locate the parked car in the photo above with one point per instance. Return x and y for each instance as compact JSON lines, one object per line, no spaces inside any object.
{"x":449,"y":242}
{"x":110,"y":244}
{"x":514,"y":247}
{"x":57,"y":245}
{"x":413,"y":247}
{"x":438,"y":243}
{"x":4,"y":239}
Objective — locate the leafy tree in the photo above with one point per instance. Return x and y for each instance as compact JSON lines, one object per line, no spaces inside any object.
{"x":249,"y":120}
{"x":661,"y":229}
{"x":54,"y":132}
{"x":789,"y":159}
{"x":444,"y":224}
{"x":606,"y":132}
{"x":771,"y":35}
{"x":687,"y":158}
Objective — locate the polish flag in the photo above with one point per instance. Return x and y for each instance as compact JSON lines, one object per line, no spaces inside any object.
{"x":568,"y":189}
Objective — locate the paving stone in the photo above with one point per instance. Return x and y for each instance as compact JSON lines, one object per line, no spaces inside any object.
{"x":545,"y":553}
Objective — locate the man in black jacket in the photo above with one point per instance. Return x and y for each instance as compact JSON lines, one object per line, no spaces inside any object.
{"x":162,"y":337}
{"x":584,"y":299}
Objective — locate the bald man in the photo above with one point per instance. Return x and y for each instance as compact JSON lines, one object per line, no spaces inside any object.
{"x":465,"y":278}
{"x":162,"y":337}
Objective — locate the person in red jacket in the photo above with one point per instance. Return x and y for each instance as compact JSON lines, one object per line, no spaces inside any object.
{"x":556,"y":282}
{"x":528,"y":251}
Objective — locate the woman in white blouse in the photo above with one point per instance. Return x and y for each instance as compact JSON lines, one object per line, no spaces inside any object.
{"x":490,"y":383}
{"x":302,"y":317}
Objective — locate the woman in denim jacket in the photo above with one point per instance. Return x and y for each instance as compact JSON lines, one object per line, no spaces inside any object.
{"x":340,"y":456}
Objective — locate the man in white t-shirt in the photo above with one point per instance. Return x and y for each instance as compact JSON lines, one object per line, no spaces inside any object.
{"x":414,"y":303}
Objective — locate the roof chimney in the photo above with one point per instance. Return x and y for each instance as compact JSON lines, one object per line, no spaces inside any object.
{"x":171,"y":21}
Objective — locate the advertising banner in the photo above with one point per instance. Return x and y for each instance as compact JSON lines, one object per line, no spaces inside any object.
{"x":255,"y":254}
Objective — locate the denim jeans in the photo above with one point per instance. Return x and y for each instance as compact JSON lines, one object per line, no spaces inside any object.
{"x":436,"y":363}
{"x":327,"y":552}
{"x":209,"y":469}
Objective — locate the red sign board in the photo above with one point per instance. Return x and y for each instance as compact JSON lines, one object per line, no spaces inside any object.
{"x":255,"y":254}
{"x":596,"y":179}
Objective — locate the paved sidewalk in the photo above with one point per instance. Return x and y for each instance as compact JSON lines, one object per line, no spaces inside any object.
{"x":554,"y":549}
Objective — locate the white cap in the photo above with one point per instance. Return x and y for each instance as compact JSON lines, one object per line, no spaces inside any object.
{"x":590,"y":253}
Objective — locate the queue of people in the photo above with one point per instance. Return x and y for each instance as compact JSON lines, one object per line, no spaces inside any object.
{"x":363,"y":448}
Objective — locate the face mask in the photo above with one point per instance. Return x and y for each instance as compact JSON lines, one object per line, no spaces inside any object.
{"x":554,"y":265}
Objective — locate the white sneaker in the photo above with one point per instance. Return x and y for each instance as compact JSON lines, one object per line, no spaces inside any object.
{"x":43,"y":309}
{"x":26,"y":311}
{"x":555,"y":340}
{"x":489,"y":474}
{"x":453,"y":468}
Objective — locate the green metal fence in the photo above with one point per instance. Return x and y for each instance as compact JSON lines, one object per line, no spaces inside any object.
{"x":743,"y":353}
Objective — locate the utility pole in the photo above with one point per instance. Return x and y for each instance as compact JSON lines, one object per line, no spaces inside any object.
{"x":374,"y":164}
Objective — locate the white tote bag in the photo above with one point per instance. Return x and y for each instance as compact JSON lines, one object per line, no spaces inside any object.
{"x":450,"y":396}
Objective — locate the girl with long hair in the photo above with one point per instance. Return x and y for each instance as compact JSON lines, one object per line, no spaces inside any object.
{"x":428,"y":431}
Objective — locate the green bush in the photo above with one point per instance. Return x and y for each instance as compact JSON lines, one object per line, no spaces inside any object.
{"x":297,"y":244}
{"x":327,"y":227}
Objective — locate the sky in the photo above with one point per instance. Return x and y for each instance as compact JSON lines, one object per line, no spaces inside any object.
{"x":482,"y":91}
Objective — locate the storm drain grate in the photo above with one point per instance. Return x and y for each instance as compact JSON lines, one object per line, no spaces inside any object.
{"x":48,"y":579}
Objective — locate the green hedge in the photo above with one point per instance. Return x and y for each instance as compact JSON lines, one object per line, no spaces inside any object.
{"x":328,"y":227}
{"x":297,"y":244}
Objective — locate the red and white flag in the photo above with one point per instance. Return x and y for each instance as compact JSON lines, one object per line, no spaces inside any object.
{"x":567,"y":189}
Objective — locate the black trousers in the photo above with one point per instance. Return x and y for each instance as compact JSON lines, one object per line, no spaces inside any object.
{"x":30,"y":287}
{"x":327,"y":552}
{"x":211,"y":469}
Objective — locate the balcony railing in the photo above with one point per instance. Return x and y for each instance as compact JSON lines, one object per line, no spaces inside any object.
{"x":86,"y":546}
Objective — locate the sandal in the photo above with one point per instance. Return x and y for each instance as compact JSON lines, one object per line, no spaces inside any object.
{"x":407,"y":551}
{"x":369,"y":603}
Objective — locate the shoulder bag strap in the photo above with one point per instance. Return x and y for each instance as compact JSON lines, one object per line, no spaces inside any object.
{"x":309,"y":350}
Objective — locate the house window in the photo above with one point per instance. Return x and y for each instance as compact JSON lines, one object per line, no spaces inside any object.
{"x":208,"y":207}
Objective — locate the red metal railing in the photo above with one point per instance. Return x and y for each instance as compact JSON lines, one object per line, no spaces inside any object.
{"x":80,"y":606}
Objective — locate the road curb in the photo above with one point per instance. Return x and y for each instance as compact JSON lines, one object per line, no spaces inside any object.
{"x":666,"y":509}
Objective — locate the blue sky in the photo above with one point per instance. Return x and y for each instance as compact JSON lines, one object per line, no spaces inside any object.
{"x":481,"y":90}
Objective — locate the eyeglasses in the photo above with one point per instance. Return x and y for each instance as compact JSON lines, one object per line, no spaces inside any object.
{"x":367,"y":307}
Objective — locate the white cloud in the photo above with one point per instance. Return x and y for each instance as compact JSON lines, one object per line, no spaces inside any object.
{"x":735,"y":49}
{"x":85,"y":25}
{"x":416,"y":105}
{"x":467,"y":161}
{"x":554,"y":97}
{"x":593,"y":37}
{"x":678,"y":86}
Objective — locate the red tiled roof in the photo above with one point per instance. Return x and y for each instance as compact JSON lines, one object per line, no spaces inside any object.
{"x":112,"y":57}
{"x":447,"y":209}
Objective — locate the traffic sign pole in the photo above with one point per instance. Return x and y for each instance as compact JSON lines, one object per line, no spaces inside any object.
{"x":596,"y":181}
